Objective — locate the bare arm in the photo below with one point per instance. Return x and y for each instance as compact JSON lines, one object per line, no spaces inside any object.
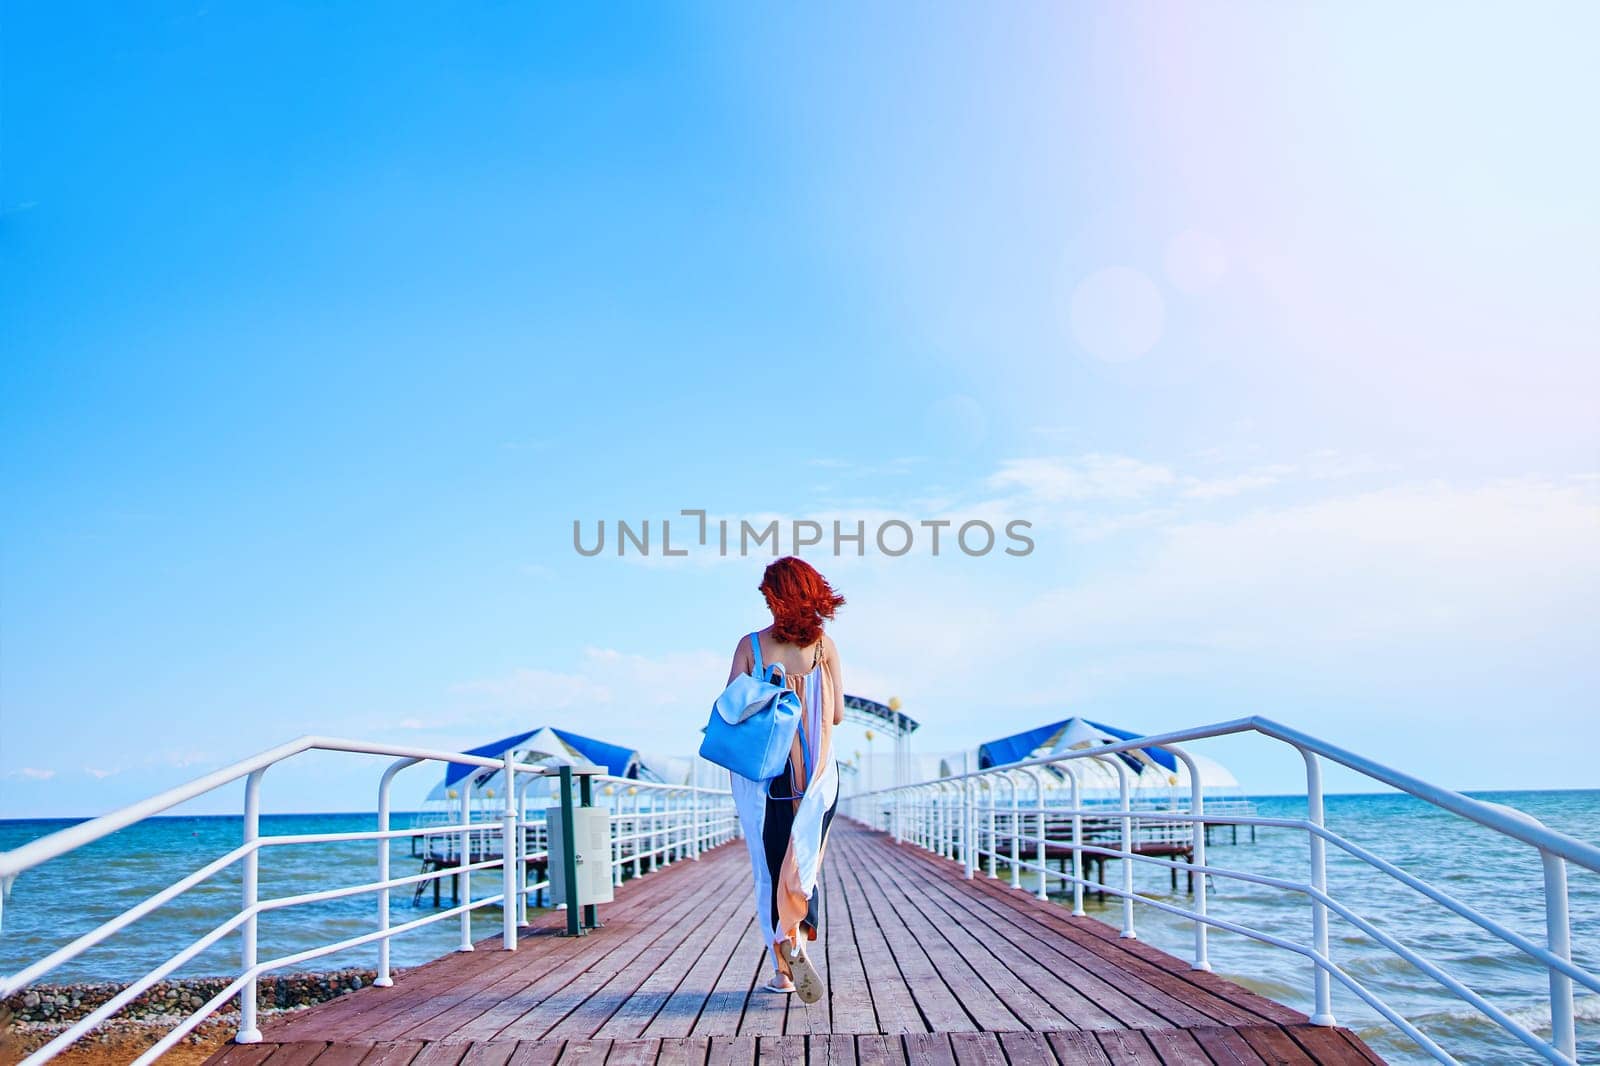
{"x":742,"y":660}
{"x":831,"y":663}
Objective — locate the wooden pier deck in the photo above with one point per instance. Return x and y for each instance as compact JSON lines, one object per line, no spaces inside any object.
{"x":922,"y":966}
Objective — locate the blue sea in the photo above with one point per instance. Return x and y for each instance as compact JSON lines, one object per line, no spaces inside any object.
{"x":49,"y":906}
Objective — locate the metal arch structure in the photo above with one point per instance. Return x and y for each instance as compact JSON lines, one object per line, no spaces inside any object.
{"x":900,"y":726}
{"x":871,"y":713}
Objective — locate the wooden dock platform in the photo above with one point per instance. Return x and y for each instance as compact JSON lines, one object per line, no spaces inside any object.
{"x":922,"y":966}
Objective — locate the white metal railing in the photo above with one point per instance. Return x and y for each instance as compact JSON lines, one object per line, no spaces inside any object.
{"x":654,"y":825}
{"x":673,"y":821}
{"x":1005,"y":815}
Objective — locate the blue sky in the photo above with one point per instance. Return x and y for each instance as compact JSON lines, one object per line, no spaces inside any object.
{"x":322,"y":326}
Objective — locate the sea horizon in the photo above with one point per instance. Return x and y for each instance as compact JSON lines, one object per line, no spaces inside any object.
{"x":267,"y":812}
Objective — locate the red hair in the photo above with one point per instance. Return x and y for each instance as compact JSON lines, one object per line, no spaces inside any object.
{"x":800,"y":600}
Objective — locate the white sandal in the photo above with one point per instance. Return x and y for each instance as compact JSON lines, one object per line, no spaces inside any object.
{"x":807,"y":981}
{"x":776,"y":985}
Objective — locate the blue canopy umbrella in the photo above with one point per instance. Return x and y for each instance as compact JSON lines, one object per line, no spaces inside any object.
{"x":1071,"y":734}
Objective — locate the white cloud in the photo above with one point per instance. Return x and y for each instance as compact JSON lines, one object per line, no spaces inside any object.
{"x":525,"y":689}
{"x":649,"y":701}
{"x":1088,"y":477}
{"x":99,"y":774}
{"x":1221,"y":488}
{"x":31,"y":773}
{"x":1463,"y":585}
{"x":184,"y":757}
{"x":1399,"y":563}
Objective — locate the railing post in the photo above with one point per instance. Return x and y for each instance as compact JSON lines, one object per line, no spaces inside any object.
{"x":994,"y":838}
{"x":1077,"y":843}
{"x":522,"y":848}
{"x":1558,"y":938}
{"x":615,"y":825}
{"x":1197,"y":844}
{"x":694,"y":825}
{"x":969,"y":821}
{"x":510,"y":858}
{"x":1016,"y":832}
{"x":1038,"y":789}
{"x":248,"y":1032}
{"x":464,"y":875}
{"x":949,"y":825}
{"x":1323,"y":1012}
{"x":569,"y":852}
{"x":383,"y":979}
{"x":1127,"y":850}
{"x":635,"y":834}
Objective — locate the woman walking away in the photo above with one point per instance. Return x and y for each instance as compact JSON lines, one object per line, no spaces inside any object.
{"x":786,"y":819}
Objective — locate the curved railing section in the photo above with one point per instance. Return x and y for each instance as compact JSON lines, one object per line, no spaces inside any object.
{"x":652,"y":825}
{"x":1006,"y":814}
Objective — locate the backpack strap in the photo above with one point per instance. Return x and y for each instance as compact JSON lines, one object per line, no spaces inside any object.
{"x":755,"y":649}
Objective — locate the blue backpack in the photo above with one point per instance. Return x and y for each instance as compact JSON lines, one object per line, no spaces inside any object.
{"x":753,"y":723}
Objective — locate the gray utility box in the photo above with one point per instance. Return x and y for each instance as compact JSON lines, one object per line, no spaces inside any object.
{"x":594,"y":855}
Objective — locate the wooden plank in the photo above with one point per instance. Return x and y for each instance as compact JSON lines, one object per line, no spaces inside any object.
{"x":781,"y":1051}
{"x":850,"y":1001}
{"x":682,"y":1051}
{"x":678,"y":1014}
{"x":439,"y":1054}
{"x":892,"y":1004}
{"x":1182,"y":996}
{"x":241,"y":1055}
{"x":633,"y":1053}
{"x":1034,"y":991}
{"x":837,"y":1049}
{"x":876,"y":1050}
{"x":1325,"y":1045}
{"x":917,"y":999}
{"x":1255,"y":1008}
{"x":645,"y":985}
{"x":429,"y":990}
{"x":1114,"y":973}
{"x":536,"y":1009}
{"x":536,"y":1053}
{"x":992,"y":993}
{"x":1088,"y":991}
{"x":392,"y":1053}
{"x":584,"y":1053}
{"x":343,"y":1054}
{"x":977,"y":1049}
{"x":1127,"y":1047}
{"x":488,"y":1053}
{"x":816,"y":1018}
{"x":929,"y":1049}
{"x":1077,"y":1049}
{"x":1361,"y":1047}
{"x":1177,"y":1047}
{"x":1226,"y":1047}
{"x":724,"y":1008}
{"x":731,"y":1051}
{"x":1028,"y":1049}
{"x":764,"y":1012}
{"x":296,"y":1053}
{"x":1272,"y":1045}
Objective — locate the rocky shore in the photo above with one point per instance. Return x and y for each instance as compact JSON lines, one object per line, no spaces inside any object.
{"x":32,"y":1017}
